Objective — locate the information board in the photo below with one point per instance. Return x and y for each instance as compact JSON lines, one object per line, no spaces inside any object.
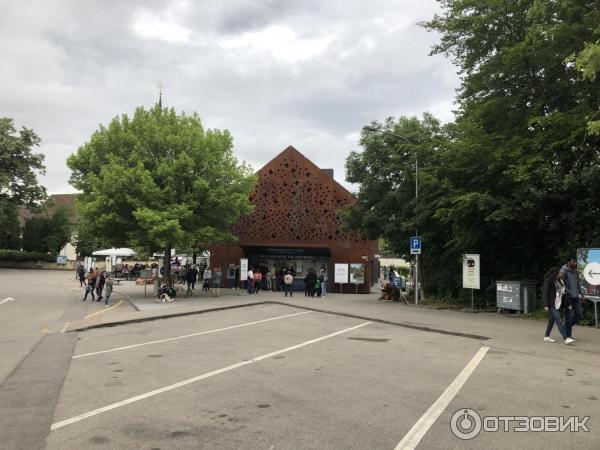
{"x":471,"y":272}
{"x":341,"y":273}
{"x":357,"y":273}
{"x":243,"y":269}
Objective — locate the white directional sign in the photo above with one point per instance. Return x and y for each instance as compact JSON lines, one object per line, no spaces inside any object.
{"x":591,"y":273}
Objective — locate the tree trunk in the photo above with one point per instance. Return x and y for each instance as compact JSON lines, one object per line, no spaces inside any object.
{"x":194,"y":256}
{"x":167,"y":277}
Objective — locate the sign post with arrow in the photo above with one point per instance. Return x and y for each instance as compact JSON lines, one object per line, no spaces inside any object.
{"x":588,"y":261}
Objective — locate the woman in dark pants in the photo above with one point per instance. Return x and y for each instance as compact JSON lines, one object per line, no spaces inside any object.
{"x":553,"y":297}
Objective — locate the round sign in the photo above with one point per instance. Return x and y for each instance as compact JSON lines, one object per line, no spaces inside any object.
{"x":591,"y":273}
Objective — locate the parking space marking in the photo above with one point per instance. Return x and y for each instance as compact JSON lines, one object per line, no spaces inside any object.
{"x":104,"y":310}
{"x":137,"y":398}
{"x":419,"y":429}
{"x":189,"y":335}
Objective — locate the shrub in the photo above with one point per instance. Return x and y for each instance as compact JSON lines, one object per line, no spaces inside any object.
{"x":17,"y":255}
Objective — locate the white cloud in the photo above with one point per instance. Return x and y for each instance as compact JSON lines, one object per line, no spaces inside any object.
{"x":275,"y":73}
{"x":279,"y":41}
{"x":163,"y":27}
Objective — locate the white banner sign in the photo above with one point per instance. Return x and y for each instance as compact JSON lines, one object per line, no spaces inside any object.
{"x":471,"y":271}
{"x":243,"y":269}
{"x":341,"y":273}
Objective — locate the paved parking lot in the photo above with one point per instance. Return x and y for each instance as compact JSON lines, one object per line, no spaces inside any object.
{"x":275,"y":377}
{"x":348,"y":372}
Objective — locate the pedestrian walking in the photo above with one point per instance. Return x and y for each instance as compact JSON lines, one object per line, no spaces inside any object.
{"x":189,"y":278}
{"x":108,"y":288}
{"x":312,"y":282}
{"x":206,"y":276}
{"x":218,"y":276}
{"x":250,"y":282}
{"x":553,"y":297}
{"x":81,"y":273}
{"x":257,"y":280}
{"x":100,"y":286}
{"x":268,"y":280}
{"x":90,"y":285}
{"x":236,"y":274}
{"x":323,"y":282}
{"x":570,"y":277}
{"x":288,"y":279}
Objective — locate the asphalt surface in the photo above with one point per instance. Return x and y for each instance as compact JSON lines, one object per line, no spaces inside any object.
{"x":274,"y":376}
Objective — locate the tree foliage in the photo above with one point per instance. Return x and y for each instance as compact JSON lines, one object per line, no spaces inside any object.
{"x":159,"y":179}
{"x":516,"y":177}
{"x":19,"y":168}
{"x":47,"y":233}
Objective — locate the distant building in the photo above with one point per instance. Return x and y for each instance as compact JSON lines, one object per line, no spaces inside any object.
{"x":294,"y":224}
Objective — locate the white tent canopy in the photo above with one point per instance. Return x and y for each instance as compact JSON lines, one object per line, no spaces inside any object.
{"x":115,"y":252}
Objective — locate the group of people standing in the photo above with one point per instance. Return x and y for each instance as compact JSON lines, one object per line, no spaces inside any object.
{"x":315,"y":284}
{"x":97,"y":281}
{"x":561,"y":292}
{"x":189,"y":274}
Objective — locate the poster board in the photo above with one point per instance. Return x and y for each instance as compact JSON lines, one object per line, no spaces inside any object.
{"x":341,"y":273}
{"x":243,"y":269}
{"x":357,"y":273}
{"x":471,"y":271}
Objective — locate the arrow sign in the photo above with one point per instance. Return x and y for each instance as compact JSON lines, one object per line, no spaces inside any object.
{"x":591,"y":273}
{"x":7,"y":299}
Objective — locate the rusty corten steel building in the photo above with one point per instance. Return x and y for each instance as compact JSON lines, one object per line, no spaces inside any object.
{"x":294,"y":224}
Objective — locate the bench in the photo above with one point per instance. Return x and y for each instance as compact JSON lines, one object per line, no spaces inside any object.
{"x":118,"y":280}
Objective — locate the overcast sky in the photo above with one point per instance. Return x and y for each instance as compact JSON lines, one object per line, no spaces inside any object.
{"x":275,"y":73}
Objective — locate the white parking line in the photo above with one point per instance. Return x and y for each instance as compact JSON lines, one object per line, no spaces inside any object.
{"x":419,"y":429}
{"x":189,"y":335}
{"x":137,"y":398}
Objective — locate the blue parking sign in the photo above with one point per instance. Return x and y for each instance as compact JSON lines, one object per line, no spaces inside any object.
{"x":415,"y":245}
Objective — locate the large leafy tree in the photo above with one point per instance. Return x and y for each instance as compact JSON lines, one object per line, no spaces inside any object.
{"x":19,"y":168}
{"x":47,"y":232}
{"x":160,"y":180}
{"x":517,"y":176}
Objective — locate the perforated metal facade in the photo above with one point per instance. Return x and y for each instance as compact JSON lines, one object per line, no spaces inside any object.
{"x":295,"y":208}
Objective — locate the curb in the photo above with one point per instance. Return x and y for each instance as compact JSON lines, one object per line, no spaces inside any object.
{"x":271,"y":302}
{"x":128,"y":298}
{"x":163,"y":316}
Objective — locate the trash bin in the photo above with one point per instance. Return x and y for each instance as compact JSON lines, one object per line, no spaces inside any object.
{"x":515,"y":295}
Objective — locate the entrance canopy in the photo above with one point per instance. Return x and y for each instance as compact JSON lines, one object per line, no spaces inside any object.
{"x":115,"y":252}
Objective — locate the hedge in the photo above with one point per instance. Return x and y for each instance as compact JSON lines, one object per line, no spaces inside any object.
{"x":17,"y":255}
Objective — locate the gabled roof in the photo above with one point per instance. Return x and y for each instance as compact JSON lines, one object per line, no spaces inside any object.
{"x":295,"y":201}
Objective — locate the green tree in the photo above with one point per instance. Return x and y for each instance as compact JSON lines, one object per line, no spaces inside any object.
{"x":525,"y":174}
{"x":47,"y":233}
{"x":159,"y":179}
{"x":588,"y":62}
{"x":19,"y":168}
{"x":516,"y":178}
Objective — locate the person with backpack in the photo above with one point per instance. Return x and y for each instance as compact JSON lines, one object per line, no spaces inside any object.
{"x":288,"y":280}
{"x":90,"y":285}
{"x":100,"y":286}
{"x":553,"y":297}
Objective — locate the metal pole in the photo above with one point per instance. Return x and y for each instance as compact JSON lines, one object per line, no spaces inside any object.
{"x":472,"y":302}
{"x":417,"y":279}
{"x":416,"y":226}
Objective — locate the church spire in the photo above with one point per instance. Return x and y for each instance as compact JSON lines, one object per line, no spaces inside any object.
{"x":160,"y":95}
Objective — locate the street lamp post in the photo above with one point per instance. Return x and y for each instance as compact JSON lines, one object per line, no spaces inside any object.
{"x":398,"y":136}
